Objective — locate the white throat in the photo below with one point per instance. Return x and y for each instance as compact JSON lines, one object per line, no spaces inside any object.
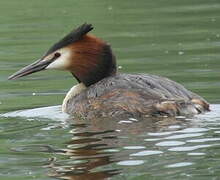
{"x":72,"y":92}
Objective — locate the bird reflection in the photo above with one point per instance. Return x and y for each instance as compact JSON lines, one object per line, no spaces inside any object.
{"x":87,"y":151}
{"x":96,"y":145}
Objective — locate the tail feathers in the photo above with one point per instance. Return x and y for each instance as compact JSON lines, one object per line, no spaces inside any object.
{"x":177,"y":108}
{"x":200,"y":105}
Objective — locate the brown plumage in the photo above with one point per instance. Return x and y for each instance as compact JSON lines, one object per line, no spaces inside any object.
{"x":102,"y":91}
{"x":92,"y":60}
{"x":129,"y":95}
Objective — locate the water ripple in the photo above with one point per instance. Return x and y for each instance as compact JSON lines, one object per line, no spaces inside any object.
{"x":189,"y":148}
{"x":181,"y":164}
{"x":183,"y":136}
{"x":131,"y":162}
{"x":146,"y":153}
{"x":170,"y":143}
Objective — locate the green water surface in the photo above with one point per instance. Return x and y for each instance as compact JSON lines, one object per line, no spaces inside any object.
{"x":172,"y":38}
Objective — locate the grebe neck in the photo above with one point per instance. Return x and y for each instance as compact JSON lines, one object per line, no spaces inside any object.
{"x":95,"y":60}
{"x":75,"y":90}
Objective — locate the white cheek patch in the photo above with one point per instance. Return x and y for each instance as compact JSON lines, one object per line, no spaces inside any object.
{"x":62,"y":62}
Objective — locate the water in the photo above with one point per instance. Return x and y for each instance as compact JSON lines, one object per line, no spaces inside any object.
{"x":176,"y":39}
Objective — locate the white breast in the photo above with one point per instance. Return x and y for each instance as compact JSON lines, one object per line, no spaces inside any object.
{"x":72,"y":92}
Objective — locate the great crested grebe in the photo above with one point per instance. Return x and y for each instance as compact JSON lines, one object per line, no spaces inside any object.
{"x":101,"y":91}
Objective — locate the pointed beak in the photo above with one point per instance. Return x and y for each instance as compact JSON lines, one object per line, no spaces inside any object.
{"x":32,"y":68}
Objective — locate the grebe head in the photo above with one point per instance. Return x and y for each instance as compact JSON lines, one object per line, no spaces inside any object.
{"x":87,"y":57}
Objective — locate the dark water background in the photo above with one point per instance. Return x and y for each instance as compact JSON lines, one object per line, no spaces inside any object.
{"x":176,"y":39}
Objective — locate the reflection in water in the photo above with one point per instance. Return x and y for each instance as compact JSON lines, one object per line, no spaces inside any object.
{"x":110,"y":148}
{"x":86,"y":151}
{"x":98,"y":144}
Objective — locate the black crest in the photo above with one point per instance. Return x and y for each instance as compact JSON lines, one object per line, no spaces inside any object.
{"x":73,"y":36}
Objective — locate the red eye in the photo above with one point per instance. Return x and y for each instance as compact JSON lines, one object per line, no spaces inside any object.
{"x":56,"y":55}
